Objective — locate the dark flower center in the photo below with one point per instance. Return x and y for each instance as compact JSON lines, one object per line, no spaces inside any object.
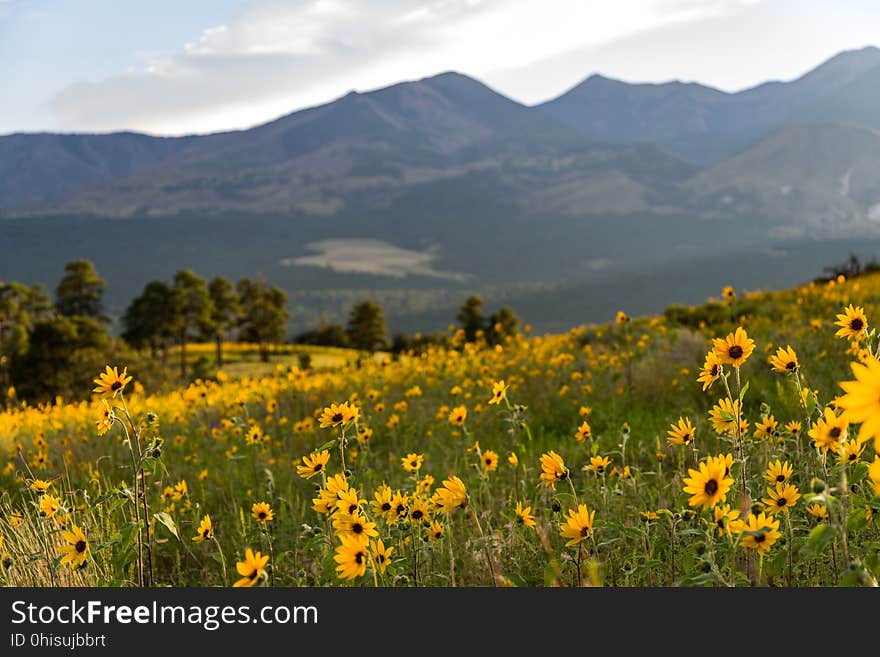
{"x":318,"y":467}
{"x":386,"y":506}
{"x":711,"y":487}
{"x":585,"y":531}
{"x":735,"y":352}
{"x":359,"y":558}
{"x":714,"y":370}
{"x":488,"y":461}
{"x":781,"y":501}
{"x":835,"y":432}
{"x":780,"y":478}
{"x":856,"y":324}
{"x":417,"y":515}
{"x":262,"y":515}
{"x":116,"y":385}
{"x":337,"y":417}
{"x":80,"y":546}
{"x":357,"y":528}
{"x":791,"y":365}
{"x":760,"y":538}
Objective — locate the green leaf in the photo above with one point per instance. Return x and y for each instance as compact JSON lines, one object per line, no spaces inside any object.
{"x":109,"y":495}
{"x":701,"y":579}
{"x":858,"y":472}
{"x":330,"y":444}
{"x":742,"y":393}
{"x":728,"y":417}
{"x":856,"y":519}
{"x":166,"y":520}
{"x":125,"y":538}
{"x":776,"y":565}
{"x":819,"y":538}
{"x":812,"y":402}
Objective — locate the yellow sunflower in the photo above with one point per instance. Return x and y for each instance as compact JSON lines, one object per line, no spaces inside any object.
{"x":452,"y":495}
{"x":724,"y":517}
{"x":852,"y":321}
{"x":723,"y":417}
{"x":76,"y":548}
{"x":499,"y":392}
{"x":711,"y":370}
{"x":252,"y":569}
{"x":381,"y":555}
{"x":778,"y":472}
{"x":262,"y":512}
{"x":707,"y":486}
{"x":598,"y":464}
{"x":829,"y":431}
{"x":313,"y":464}
{"x":781,"y":498}
{"x":111,"y":382}
{"x":681,"y":433}
{"x":785,"y":361}
{"x":337,"y":415}
{"x":205,"y":531}
{"x":861,"y":403}
{"x":458,"y":415}
{"x":578,"y":525}
{"x":759,"y":532}
{"x":352,"y":557}
{"x":735,"y":349}
{"x":553,"y":469}
{"x":584,"y":432}
{"x":524,"y":515}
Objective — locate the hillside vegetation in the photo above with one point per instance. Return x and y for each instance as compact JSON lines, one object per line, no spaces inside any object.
{"x":593,"y":457}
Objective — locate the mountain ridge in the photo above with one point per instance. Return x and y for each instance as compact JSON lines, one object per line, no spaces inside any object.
{"x":698,"y":122}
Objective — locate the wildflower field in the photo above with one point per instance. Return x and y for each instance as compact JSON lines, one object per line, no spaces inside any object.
{"x":731,"y":444}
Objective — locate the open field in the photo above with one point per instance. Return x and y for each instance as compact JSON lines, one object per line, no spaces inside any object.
{"x":242,"y":359}
{"x":570,"y":477}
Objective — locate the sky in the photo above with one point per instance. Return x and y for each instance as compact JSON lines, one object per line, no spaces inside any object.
{"x":194,"y":66}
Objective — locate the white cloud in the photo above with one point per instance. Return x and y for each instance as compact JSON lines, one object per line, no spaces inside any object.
{"x":274,"y":57}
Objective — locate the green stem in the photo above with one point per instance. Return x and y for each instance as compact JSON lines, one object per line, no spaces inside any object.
{"x":790,"y":545}
{"x":485,"y":546}
{"x":222,"y":560}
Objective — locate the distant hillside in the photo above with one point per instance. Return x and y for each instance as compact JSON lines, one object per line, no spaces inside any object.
{"x":362,"y":151}
{"x":705,"y":125}
{"x":39,"y":170}
{"x":422,"y":192}
{"x":811,"y":179}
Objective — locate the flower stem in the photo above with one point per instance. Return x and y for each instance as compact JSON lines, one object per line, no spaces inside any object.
{"x":222,"y":560}
{"x":485,"y":546}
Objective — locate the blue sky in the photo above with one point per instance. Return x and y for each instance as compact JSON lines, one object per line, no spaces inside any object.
{"x":205,"y":65}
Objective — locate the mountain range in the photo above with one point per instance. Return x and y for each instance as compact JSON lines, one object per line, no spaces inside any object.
{"x":445,"y":185}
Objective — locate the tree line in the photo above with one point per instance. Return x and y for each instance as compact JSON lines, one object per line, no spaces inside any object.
{"x":49,"y":348}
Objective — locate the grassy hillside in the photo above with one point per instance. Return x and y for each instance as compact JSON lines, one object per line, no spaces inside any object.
{"x":582,"y":419}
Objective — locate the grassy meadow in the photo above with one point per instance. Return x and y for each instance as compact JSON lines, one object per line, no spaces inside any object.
{"x":594,"y":457}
